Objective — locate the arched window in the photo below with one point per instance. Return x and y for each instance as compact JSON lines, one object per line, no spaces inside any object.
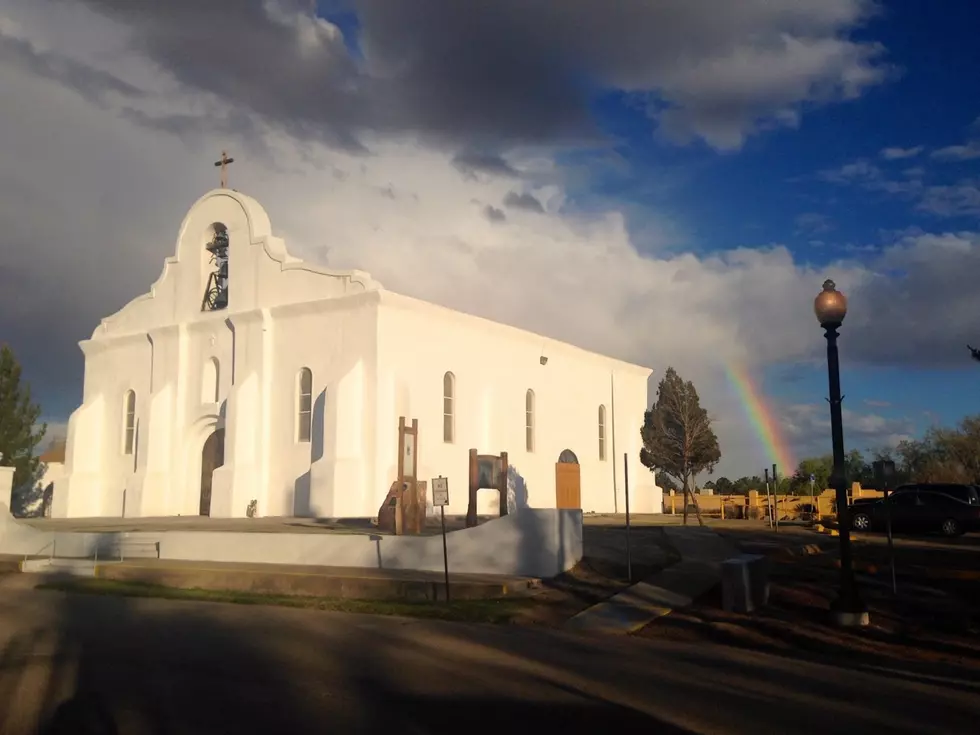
{"x":529,"y":421}
{"x":129,"y":423}
{"x":209,"y":381}
{"x":449,"y":408}
{"x":602,"y":433}
{"x":304,"y":404}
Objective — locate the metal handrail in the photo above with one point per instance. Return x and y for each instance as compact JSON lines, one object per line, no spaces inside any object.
{"x":118,"y":544}
{"x":52,"y":543}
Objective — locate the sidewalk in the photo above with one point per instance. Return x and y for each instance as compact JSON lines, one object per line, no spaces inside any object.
{"x":701,"y":550}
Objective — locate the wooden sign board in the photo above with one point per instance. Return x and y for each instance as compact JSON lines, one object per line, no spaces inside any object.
{"x":407,"y":445}
{"x":488,"y":471}
{"x":440,"y":491}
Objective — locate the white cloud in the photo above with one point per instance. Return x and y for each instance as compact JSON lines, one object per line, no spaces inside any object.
{"x":809,"y":426}
{"x":953,"y":200}
{"x":856,"y":171}
{"x":966,"y":152}
{"x":813,"y":223}
{"x":896,"y":154}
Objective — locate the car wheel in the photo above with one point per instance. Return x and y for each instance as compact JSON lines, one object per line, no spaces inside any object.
{"x":861,"y":522}
{"x":950,"y":527}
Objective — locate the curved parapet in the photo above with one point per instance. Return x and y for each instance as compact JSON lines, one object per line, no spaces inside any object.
{"x":260,"y":271}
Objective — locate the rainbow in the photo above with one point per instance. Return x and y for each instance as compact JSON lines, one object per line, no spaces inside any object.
{"x":761,"y":418}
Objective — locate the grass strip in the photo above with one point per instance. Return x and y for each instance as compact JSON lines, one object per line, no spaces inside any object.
{"x":470,"y":611}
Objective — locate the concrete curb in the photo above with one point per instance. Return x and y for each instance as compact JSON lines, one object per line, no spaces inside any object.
{"x":322,"y":584}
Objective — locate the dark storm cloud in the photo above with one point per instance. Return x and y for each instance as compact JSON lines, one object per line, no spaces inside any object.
{"x":484,"y":163}
{"x":508,"y":71}
{"x":90,"y":82}
{"x":493,"y":214}
{"x":527,"y":202}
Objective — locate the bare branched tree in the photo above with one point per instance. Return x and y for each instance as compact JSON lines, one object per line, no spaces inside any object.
{"x":677,"y":436}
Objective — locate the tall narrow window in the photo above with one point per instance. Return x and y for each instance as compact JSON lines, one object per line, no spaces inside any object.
{"x":529,"y":421}
{"x":304,"y":405}
{"x":602,"y":433}
{"x":449,"y":408}
{"x":129,"y":425}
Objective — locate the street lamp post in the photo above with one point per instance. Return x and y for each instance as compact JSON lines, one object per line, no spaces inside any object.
{"x":831,"y":308}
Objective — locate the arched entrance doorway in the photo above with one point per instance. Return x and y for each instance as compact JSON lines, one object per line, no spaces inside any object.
{"x":212,"y":457}
{"x":568,"y":481}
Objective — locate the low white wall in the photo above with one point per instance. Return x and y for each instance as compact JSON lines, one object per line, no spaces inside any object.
{"x":530,"y":543}
{"x":6,"y":485}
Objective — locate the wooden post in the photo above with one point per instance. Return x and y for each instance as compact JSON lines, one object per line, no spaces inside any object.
{"x":502,"y":483}
{"x":408,"y":463}
{"x":474,"y":481}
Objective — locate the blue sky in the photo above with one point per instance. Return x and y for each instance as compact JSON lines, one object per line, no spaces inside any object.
{"x":755,"y":195}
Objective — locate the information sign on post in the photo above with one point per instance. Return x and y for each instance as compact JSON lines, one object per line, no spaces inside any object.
{"x":440,"y":491}
{"x":440,"y":497}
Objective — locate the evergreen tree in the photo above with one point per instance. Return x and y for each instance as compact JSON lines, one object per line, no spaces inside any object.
{"x":677,"y":436}
{"x":19,"y":434}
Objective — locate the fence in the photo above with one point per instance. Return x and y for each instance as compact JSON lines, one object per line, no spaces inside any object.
{"x":755,"y":506}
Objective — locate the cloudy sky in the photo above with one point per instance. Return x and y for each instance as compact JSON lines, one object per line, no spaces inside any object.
{"x":668,"y":181}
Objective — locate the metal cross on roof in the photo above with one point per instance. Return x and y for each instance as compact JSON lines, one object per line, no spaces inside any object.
{"x":223,"y":163}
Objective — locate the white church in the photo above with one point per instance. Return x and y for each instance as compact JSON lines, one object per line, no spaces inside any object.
{"x":246,"y":374}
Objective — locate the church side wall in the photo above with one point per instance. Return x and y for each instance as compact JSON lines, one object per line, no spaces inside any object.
{"x":102,"y":477}
{"x":493,"y":369}
{"x":329,"y":475}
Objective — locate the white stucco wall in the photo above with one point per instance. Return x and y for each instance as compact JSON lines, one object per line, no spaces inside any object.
{"x":373,"y":355}
{"x":493,"y":367}
{"x":531,"y":543}
{"x":163,"y":346}
{"x":6,"y":485}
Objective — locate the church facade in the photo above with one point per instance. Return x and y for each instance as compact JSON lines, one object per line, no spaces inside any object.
{"x":248,"y":381}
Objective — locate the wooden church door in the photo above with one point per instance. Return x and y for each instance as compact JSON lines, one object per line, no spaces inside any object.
{"x":568,"y":481}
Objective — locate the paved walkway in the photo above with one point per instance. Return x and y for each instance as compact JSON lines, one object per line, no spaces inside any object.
{"x":701,"y":551}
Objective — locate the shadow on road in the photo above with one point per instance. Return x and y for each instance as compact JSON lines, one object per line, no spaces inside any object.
{"x":94,"y":664}
{"x":103,"y":665}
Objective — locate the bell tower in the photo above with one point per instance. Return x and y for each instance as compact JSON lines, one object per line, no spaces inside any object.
{"x":216,"y":288}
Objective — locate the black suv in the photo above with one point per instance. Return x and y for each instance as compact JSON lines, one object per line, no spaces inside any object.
{"x":922,"y":507}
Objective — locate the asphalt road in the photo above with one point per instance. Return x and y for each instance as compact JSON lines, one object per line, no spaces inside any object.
{"x":160,"y":667}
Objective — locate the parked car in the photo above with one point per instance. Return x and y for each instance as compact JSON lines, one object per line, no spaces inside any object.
{"x":923,"y":507}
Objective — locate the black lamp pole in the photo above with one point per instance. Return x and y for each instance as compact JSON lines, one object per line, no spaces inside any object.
{"x":849,"y":609}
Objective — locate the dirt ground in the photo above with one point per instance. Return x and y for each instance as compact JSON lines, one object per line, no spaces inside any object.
{"x":933,"y":619}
